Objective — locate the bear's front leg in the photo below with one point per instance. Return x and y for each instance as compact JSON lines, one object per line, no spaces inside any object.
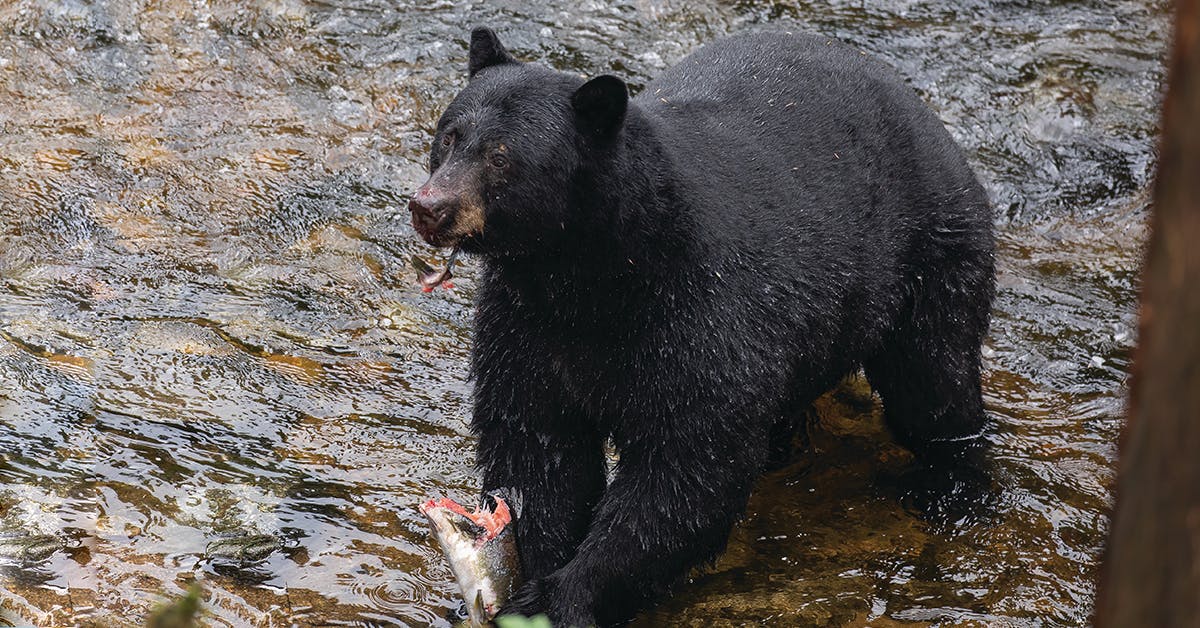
{"x":558,"y":477}
{"x":531,"y":443}
{"x":531,"y":438}
{"x":669,"y":508}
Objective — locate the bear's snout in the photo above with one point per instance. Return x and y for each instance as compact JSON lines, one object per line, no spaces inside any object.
{"x":443,"y":215}
{"x":429,"y":211}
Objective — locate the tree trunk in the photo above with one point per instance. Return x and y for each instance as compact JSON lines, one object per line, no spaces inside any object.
{"x":1151,"y":573}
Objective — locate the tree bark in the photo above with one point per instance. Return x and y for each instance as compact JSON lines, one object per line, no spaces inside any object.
{"x":1151,"y":572}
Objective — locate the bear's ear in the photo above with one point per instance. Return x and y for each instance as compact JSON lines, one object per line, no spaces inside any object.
{"x":600,"y":105}
{"x":486,"y":51}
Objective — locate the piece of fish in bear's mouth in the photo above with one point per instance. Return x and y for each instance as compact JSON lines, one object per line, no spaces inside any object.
{"x":429,"y":277}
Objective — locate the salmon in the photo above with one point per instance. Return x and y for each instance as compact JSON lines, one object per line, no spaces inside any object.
{"x":481,"y":547}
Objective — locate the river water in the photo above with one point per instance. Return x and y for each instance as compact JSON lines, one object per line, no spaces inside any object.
{"x":210,"y":337}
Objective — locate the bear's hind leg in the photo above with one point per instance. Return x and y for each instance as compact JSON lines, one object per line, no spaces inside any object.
{"x":931,"y":399}
{"x":928,"y":375}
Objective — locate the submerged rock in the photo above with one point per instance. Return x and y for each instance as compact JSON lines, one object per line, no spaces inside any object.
{"x":29,"y":548}
{"x":243,"y":549}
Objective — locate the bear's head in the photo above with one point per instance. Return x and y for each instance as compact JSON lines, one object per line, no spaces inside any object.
{"x":512,"y":153}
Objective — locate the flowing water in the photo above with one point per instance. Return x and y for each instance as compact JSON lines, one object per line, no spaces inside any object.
{"x":215,"y":365}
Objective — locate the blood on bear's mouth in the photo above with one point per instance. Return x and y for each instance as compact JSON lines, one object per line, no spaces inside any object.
{"x":444,"y":236}
{"x":432,"y":212}
{"x":431,"y":226}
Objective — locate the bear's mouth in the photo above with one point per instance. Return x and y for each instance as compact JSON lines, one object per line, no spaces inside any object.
{"x":450,"y":227}
{"x":435,"y":233}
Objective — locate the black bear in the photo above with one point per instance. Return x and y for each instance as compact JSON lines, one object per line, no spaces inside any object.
{"x":679,"y":271}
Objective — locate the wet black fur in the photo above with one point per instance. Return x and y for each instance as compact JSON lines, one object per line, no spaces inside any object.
{"x":675,"y":272}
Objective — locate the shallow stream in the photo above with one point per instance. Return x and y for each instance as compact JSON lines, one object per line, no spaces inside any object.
{"x":215,"y":365}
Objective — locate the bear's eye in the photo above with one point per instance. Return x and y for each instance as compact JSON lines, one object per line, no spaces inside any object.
{"x":498,"y":161}
{"x":448,"y":139}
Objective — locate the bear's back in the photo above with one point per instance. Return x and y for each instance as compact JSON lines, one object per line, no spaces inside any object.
{"x":750,"y":65}
{"x":794,"y":121}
